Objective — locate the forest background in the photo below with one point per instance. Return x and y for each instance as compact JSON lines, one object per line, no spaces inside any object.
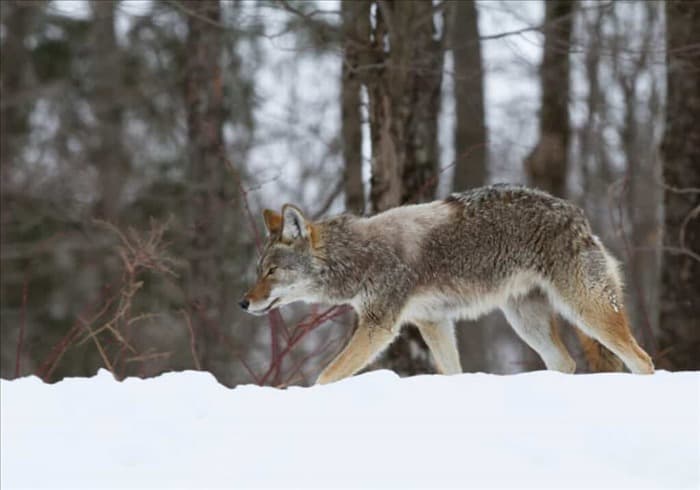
{"x":140,"y":141}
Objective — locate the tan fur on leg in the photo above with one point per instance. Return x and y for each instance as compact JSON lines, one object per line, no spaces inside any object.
{"x":365,"y":344}
{"x":611,"y":328}
{"x":607,"y":323}
{"x":533,"y":320}
{"x":440,"y":337}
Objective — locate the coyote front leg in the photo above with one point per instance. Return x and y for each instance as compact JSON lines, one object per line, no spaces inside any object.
{"x":440,"y":337}
{"x":366,"y":343}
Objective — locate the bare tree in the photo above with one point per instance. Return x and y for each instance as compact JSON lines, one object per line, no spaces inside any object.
{"x":403,"y":76}
{"x":643,"y":196}
{"x":470,"y":131}
{"x":470,"y":143}
{"x":207,"y":172}
{"x":546,"y":166}
{"x":16,"y":21}
{"x":15,"y":107}
{"x":356,"y":33}
{"x":680,"y":281}
{"x":107,"y":152}
{"x":423,"y":84}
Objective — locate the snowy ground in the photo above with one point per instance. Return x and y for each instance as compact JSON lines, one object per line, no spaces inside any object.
{"x":543,"y":430}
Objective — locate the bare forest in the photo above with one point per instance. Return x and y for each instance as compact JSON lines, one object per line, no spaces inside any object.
{"x":141,"y":140}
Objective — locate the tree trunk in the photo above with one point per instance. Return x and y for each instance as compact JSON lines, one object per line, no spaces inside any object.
{"x":679,"y":342}
{"x":404,"y":96}
{"x":425,"y":65}
{"x":644,"y":195}
{"x":15,"y":80}
{"x":475,"y":337}
{"x":470,"y":134}
{"x":206,"y":173}
{"x":356,"y":32}
{"x":14,"y":113}
{"x":546,"y":166}
{"x":108,"y":153}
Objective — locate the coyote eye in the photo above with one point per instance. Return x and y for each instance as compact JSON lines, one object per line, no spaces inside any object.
{"x":270,"y":271}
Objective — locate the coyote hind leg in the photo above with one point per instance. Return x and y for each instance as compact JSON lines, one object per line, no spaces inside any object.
{"x":533,"y":320}
{"x":608,"y":325}
{"x":591,"y":298}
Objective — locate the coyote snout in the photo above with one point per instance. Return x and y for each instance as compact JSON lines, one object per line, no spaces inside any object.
{"x":259,"y":299}
{"x":288,"y":264}
{"x":521,"y":250}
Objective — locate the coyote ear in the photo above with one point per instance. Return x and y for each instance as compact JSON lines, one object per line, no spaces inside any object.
{"x":293,"y":223}
{"x":273,"y":221}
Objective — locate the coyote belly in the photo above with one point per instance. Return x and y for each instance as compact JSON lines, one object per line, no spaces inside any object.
{"x":521,"y":250}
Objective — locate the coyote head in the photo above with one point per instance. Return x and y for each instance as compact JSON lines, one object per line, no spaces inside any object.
{"x":288,"y":269}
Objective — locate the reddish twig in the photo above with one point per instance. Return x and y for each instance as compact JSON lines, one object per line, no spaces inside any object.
{"x":297,"y":368}
{"x":49,"y":365}
{"x":59,"y":349}
{"x":98,"y":345}
{"x":300,"y":331}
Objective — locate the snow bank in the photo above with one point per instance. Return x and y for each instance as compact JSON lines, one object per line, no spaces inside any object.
{"x":544,"y":429}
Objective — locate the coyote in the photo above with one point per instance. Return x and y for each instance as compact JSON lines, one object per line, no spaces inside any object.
{"x":502,"y":246}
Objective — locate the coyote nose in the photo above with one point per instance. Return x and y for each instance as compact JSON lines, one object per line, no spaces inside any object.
{"x":244,"y":304}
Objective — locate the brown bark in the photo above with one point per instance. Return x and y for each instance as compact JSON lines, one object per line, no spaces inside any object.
{"x":207,"y":172}
{"x":108,"y":153}
{"x":470,"y":132}
{"x":546,"y":166}
{"x":425,"y":65}
{"x":475,"y":337}
{"x":14,"y":117}
{"x":356,"y":33}
{"x":386,"y":133}
{"x":679,"y":342}
{"x":404,"y":99}
{"x":644,"y":194}
{"x":15,"y":79}
{"x":403,"y":78}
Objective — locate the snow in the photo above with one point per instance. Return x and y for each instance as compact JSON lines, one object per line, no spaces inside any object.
{"x":184,"y":430}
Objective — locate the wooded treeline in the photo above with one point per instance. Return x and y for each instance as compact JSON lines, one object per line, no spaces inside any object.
{"x":140,"y":142}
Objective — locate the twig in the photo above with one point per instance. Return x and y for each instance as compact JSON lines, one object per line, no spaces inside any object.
{"x":196,"y":15}
{"x":193,"y":346}
{"x":694,"y":213}
{"x":100,"y":349}
{"x":244,"y":197}
{"x":59,"y":349}
{"x":148,"y":357}
{"x":301,"y":330}
{"x":337,"y":190}
{"x":46,"y":370}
